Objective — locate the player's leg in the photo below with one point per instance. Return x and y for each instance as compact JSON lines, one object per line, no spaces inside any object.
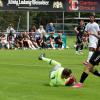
{"x":95,"y":59}
{"x":77,"y":48}
{"x":81,"y":48}
{"x":48,"y":60}
{"x":92,"y":47}
{"x":91,"y":50}
{"x":78,"y":44}
{"x":84,"y":75}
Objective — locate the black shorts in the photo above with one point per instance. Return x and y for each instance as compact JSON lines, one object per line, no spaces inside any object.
{"x":79,"y":40}
{"x":95,"y":59}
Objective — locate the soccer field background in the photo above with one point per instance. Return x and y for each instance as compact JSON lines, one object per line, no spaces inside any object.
{"x":24,"y":77}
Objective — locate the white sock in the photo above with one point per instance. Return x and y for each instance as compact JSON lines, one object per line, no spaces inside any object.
{"x":89,"y":55}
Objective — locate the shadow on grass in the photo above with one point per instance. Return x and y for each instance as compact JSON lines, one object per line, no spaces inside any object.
{"x":46,"y":84}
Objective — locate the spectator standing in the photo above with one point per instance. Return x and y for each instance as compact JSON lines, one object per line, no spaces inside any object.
{"x":50,"y":28}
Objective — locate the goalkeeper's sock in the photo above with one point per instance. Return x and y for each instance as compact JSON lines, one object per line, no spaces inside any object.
{"x":50,"y":61}
{"x":96,"y":73}
{"x":83,"y":77}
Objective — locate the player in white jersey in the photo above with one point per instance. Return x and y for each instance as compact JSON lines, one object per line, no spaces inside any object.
{"x":90,"y":67}
{"x":92,"y":28}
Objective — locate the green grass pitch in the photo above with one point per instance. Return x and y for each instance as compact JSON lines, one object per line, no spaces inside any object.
{"x":24,"y":77}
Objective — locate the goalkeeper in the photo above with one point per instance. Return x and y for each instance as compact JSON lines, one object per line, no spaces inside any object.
{"x":59,"y":76}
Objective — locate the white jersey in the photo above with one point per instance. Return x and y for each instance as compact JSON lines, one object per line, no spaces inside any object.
{"x":10,"y":29}
{"x":41,"y":31}
{"x":92,"y":28}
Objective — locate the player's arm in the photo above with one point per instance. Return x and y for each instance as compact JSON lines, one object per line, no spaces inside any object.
{"x":87,"y":33}
{"x":76,"y":30}
{"x":99,"y":33}
{"x":53,"y":79}
{"x":87,"y":30}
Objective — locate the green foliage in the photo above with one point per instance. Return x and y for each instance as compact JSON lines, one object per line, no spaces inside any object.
{"x":9,"y":17}
{"x":36,"y":18}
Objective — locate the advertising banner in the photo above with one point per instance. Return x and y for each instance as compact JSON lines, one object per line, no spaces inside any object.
{"x":35,"y":5}
{"x":83,"y":5}
{"x":51,"y":5}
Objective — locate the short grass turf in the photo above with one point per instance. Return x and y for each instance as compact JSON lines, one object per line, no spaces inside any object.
{"x":24,"y":77}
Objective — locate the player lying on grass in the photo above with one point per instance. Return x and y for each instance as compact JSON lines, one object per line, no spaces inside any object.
{"x":59,"y":75}
{"x":90,"y":67}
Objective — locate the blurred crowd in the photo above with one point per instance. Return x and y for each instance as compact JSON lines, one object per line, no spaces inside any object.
{"x":36,"y":38}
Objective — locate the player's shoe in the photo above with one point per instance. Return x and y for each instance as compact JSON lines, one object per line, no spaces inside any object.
{"x":78,"y":85}
{"x":41,"y":55}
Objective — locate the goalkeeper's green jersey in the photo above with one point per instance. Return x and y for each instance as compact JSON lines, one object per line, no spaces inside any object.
{"x":55,"y":78}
